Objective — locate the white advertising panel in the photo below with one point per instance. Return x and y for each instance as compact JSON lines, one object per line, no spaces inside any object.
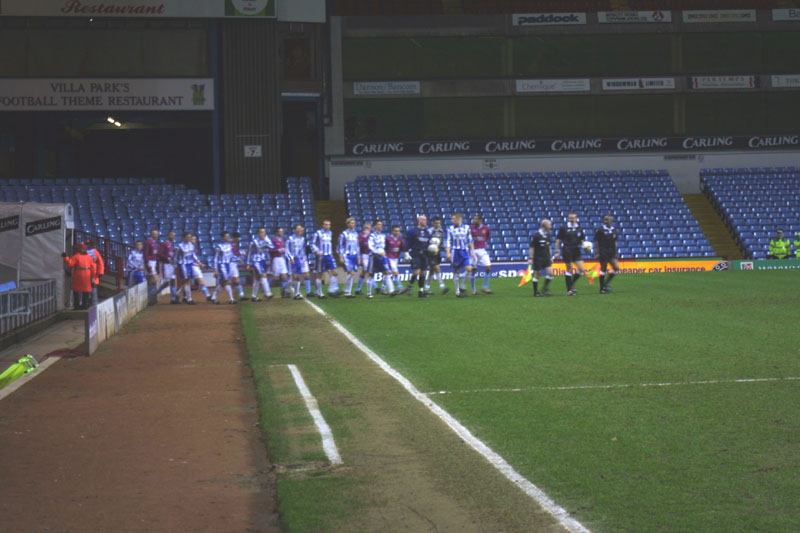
{"x":553,"y":86}
{"x":547,"y":19}
{"x":786,"y":81}
{"x":106,"y":320}
{"x":634,"y":17}
{"x":108,"y":94}
{"x":719,"y":15}
{"x":638,"y":84}
{"x":386,"y":88}
{"x":139,"y":8}
{"x":724,"y":82}
{"x":786,"y":14}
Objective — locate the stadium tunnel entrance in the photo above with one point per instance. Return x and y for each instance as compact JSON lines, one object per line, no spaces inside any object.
{"x":174,"y":145}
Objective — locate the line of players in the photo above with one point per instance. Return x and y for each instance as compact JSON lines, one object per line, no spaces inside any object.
{"x":362,"y":255}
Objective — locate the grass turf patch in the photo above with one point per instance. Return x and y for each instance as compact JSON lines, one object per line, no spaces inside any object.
{"x":403,"y":468}
{"x":714,"y":457}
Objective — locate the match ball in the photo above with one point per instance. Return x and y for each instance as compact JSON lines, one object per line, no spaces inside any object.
{"x":433,"y":246}
{"x":587,"y":246}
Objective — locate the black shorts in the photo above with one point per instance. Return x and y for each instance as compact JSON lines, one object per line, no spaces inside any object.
{"x":607,"y":257}
{"x":571,"y":255}
{"x":419,"y":260}
{"x":434,"y":259}
{"x":539,"y":264}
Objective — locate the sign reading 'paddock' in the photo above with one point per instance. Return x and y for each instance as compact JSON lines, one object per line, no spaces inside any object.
{"x":566,"y":145}
{"x":106,"y":94}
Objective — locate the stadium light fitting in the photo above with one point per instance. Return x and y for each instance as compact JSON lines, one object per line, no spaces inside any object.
{"x":118,"y":124}
{"x":110,"y":120}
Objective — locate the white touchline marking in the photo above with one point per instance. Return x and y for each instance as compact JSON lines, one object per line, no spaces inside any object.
{"x":616,"y":386}
{"x":17,"y":383}
{"x":328,"y":443}
{"x":558,"y":512}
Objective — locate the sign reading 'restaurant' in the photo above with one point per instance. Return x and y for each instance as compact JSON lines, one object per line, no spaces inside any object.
{"x":90,"y":94}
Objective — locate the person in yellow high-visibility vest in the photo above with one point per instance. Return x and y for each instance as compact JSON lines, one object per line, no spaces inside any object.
{"x":779,"y":248}
{"x":797,"y":245}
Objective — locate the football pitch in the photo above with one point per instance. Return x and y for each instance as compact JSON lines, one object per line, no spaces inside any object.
{"x":668,"y":405}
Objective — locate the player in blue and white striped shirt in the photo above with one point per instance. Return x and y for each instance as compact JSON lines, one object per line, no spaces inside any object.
{"x":348,"y":251}
{"x":460,"y":252}
{"x":322,"y":246}
{"x":297,"y":258}
{"x":134,"y":266}
{"x":189,"y":264}
{"x":223,"y":257}
{"x":377,"y":258}
{"x":258,"y":257}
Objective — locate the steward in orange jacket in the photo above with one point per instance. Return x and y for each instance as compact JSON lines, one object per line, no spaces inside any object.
{"x":83,"y":270}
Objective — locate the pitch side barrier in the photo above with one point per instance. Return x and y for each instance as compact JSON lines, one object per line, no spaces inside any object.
{"x":515,"y":269}
{"x":109,"y":316}
{"x":767,"y":264}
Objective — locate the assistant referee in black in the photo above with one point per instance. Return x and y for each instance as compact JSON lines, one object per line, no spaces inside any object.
{"x":540,"y":257}
{"x":568,"y":244}
{"x":605,"y":239}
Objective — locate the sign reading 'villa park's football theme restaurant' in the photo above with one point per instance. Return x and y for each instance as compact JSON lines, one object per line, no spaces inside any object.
{"x":108,"y":94}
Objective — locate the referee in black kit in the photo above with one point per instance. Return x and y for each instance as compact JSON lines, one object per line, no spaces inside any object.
{"x":541,"y":257}
{"x":568,"y":245}
{"x":606,"y":240}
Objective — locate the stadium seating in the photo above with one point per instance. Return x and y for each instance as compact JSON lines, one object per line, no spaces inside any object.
{"x":653,"y":219}
{"x":754,"y":202}
{"x":125,"y":209}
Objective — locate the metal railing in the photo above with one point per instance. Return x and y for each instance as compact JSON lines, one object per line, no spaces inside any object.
{"x":32,"y":301}
{"x":114,"y":253}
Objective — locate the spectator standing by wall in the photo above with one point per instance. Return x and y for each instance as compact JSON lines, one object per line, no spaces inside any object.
{"x":779,"y":248}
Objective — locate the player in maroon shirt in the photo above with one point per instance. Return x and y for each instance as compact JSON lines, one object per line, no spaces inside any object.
{"x":236,"y":281}
{"x":394,"y":247}
{"x":150,"y":256}
{"x":480,"y":236}
{"x":166,"y":263}
{"x":278,"y":261}
{"x":363,"y":261}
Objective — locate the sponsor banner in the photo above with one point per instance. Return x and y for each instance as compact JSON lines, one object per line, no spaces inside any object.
{"x":724,"y":82}
{"x":553,"y":86}
{"x":139,"y":8}
{"x":786,"y":81}
{"x":106,"y":94}
{"x":547,"y":19}
{"x":515,"y":269}
{"x":719,"y":15}
{"x":767,"y":264}
{"x":386,"y":88}
{"x":9,"y":223}
{"x":628,"y":17}
{"x":638,"y":84}
{"x":92,"y":336}
{"x":786,"y":14}
{"x":556,"y":146}
{"x":36,"y":227}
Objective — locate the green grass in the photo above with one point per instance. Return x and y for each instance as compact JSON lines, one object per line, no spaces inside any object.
{"x":689,"y":457}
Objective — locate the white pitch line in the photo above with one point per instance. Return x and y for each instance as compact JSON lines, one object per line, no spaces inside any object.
{"x":17,"y":383}
{"x":328,"y":443}
{"x":616,"y":386}
{"x":534,"y":492}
